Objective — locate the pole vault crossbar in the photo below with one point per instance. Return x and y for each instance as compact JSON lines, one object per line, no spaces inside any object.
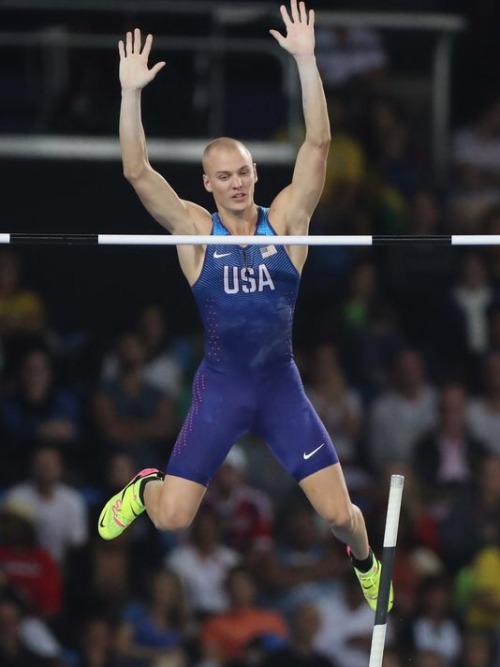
{"x":167,"y":240}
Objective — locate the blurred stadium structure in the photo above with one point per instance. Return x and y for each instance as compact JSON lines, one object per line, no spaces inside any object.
{"x":230,"y":49}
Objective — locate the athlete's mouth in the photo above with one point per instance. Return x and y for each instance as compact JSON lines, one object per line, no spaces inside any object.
{"x":239,"y":195}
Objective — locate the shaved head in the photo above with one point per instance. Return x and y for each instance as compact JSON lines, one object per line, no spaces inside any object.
{"x":221,"y":145}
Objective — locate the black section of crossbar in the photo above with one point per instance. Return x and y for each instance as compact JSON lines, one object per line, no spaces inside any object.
{"x":410,"y":239}
{"x":54,"y":239}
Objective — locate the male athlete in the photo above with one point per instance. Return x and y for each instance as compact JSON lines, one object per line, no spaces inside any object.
{"x":248,"y":380}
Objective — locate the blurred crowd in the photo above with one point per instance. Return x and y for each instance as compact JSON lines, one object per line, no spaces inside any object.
{"x":399,"y":349}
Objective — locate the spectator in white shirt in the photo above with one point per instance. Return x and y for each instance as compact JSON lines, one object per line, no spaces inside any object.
{"x":403,"y":413}
{"x":346,"y":625}
{"x":484,"y":411}
{"x":435,"y":629}
{"x":203,"y":563}
{"x":59,"y":510}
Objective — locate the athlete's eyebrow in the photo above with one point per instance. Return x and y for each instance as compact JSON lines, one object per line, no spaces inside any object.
{"x":224,"y":172}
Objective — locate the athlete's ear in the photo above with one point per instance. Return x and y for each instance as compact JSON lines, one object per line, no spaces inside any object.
{"x":256,"y":176}
{"x":206,"y":183}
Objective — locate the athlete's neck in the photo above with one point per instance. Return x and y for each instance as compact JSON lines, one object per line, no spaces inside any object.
{"x":242,"y":223}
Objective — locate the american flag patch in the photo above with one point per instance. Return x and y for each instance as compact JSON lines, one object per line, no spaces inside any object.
{"x":268,"y":251}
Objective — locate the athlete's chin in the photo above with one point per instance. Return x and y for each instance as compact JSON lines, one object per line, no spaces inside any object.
{"x":240,"y":201}
{"x":239,"y":205}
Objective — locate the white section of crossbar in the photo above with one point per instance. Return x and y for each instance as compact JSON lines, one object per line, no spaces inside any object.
{"x":475,"y":239}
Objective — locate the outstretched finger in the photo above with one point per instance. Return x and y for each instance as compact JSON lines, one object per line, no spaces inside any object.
{"x":137,"y":41}
{"x":303,"y":12}
{"x":285,"y":16}
{"x":295,"y":11}
{"x":147,"y":46}
{"x":129,"y":50}
{"x":121,"y":49}
{"x":277,"y":36}
{"x":154,"y":70}
{"x":312,"y":16}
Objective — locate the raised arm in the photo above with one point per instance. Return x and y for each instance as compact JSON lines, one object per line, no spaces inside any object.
{"x":176,"y":215}
{"x":295,"y":205}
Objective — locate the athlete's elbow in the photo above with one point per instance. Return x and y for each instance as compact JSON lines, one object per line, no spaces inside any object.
{"x":320,"y":141}
{"x":133,"y":172}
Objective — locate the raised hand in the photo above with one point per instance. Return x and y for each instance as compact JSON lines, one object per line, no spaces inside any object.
{"x":299,"y":40}
{"x":134,"y":71}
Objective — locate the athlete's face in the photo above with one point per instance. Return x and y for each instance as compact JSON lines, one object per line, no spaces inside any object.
{"x":230,"y":175}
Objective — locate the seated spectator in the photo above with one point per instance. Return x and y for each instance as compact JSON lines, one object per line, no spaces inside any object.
{"x":26,"y":565}
{"x":425,"y":658}
{"x":490,"y":224}
{"x":396,"y":176}
{"x":363,"y":295}
{"x":36,"y":634}
{"x":435,"y":627}
{"x":102,"y":577}
{"x":59,"y":510}
{"x":300,"y":652}
{"x":348,"y":54}
{"x":203,"y":563}
{"x":476,"y":161}
{"x":472,"y":512}
{"x":96,"y":646}
{"x":133,"y":415}
{"x":339,"y":406}
{"x":161,"y":368}
{"x":23,"y":317}
{"x":154,"y":629}
{"x":345,"y":171}
{"x":370,"y":331}
{"x":302,"y":565}
{"x":392,"y":657}
{"x":483,"y":611}
{"x":478,"y":650}
{"x":246,"y":513}
{"x":403,"y":413}
{"x":419,"y":274}
{"x":13,"y":649}
{"x":225,"y":636}
{"x":40,"y":412}
{"x":484,"y":411}
{"x":463,"y":321}
{"x":448,"y":457}
{"x":473,"y":295}
{"x":346,"y":625}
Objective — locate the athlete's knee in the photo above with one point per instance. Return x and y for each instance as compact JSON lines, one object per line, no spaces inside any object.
{"x":172,"y":518}
{"x":342,"y":518}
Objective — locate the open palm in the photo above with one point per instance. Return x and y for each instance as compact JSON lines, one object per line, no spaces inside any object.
{"x":299,"y":26}
{"x":134,"y":71}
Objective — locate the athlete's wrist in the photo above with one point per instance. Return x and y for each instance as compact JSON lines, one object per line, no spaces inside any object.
{"x":131,"y":91}
{"x":305,"y":57}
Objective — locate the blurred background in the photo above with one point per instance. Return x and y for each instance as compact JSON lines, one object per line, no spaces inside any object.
{"x":399,"y":347}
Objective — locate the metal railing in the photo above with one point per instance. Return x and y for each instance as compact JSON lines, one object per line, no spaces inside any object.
{"x":216,"y":47}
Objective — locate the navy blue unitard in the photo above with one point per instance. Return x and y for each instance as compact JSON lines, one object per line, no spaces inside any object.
{"x":248,"y":380}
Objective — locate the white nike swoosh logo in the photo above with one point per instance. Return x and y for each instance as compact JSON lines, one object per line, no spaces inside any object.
{"x":218,"y":255}
{"x":308,"y":456}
